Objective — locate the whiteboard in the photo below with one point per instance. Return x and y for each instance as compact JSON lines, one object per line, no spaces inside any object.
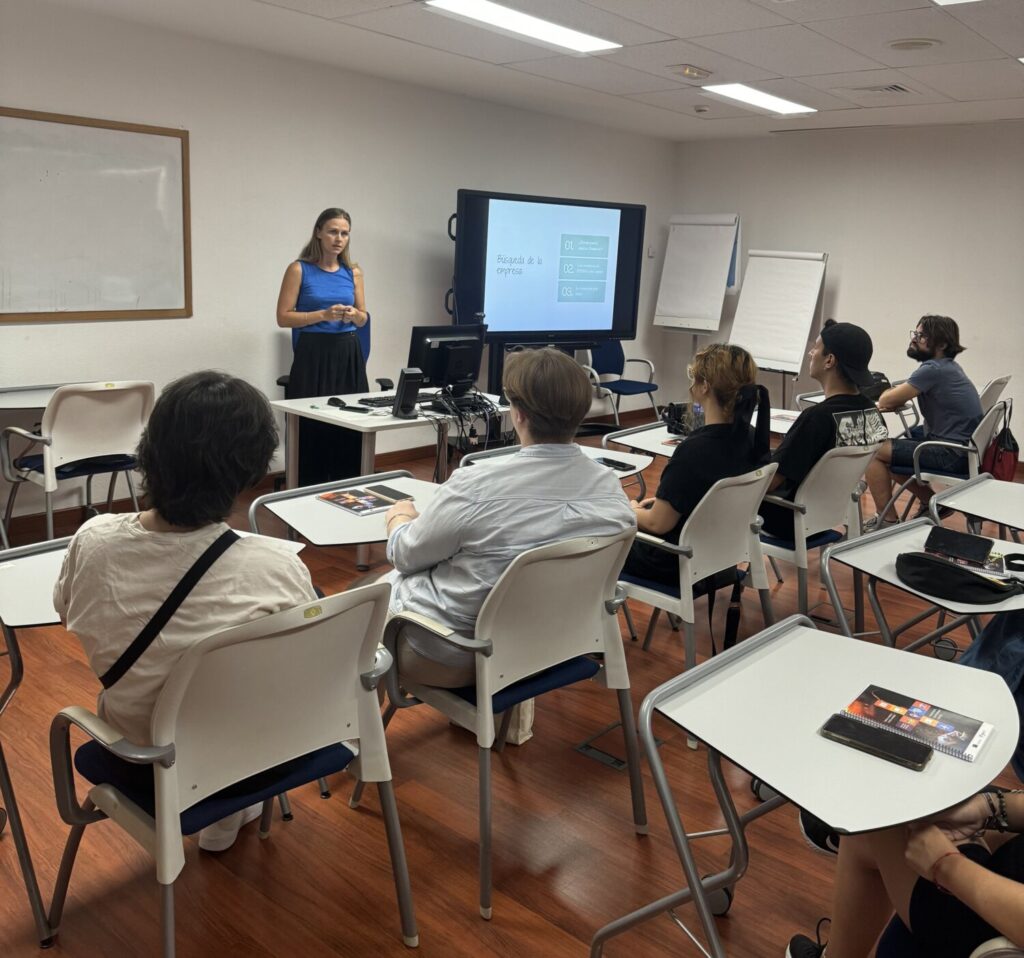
{"x":701,"y":262}
{"x":777,"y":307}
{"x":93,"y":219}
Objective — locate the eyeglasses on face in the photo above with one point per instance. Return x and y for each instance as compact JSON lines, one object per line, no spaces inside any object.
{"x":916,"y":336}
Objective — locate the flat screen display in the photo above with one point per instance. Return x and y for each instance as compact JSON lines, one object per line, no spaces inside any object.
{"x":543,"y":269}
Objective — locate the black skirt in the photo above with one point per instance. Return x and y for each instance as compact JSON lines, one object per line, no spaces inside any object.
{"x":327,"y":364}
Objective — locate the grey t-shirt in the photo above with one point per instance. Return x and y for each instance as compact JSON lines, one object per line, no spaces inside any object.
{"x":949,"y":402}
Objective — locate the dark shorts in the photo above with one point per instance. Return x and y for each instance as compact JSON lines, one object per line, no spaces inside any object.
{"x":934,"y":459}
{"x":944,"y":925}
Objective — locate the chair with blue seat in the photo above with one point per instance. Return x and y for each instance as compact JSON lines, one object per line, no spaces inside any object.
{"x":548,"y":622}
{"x":720,"y":534}
{"x":87,"y":429}
{"x":607,"y":364}
{"x":973,"y":451}
{"x":828,"y":497}
{"x":219,"y":745}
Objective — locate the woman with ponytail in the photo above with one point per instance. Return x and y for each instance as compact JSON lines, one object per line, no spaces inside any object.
{"x":723,"y":379}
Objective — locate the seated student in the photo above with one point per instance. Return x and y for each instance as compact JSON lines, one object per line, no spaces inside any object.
{"x":723,"y":381}
{"x":839,"y":361}
{"x":949,"y":404}
{"x":955,"y":880}
{"x":447,"y":559}
{"x":210,"y":436}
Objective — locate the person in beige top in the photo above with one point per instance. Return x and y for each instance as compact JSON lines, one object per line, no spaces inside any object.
{"x":210,"y":437}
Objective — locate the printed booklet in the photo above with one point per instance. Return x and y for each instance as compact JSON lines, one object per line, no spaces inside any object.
{"x":945,"y":731}
{"x":364,"y":502}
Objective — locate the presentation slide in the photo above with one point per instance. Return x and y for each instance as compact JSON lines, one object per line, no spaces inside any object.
{"x":550,"y":266}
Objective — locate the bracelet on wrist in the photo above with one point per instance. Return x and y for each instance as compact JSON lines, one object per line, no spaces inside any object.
{"x":935,"y":870}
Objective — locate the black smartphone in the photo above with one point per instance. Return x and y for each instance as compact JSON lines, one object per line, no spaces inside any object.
{"x":961,"y":547}
{"x":614,"y":463}
{"x":346,"y":408}
{"x":876,"y":741}
{"x":388,"y":493}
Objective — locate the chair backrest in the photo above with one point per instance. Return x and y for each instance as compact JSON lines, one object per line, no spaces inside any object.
{"x":363,"y":335}
{"x":985,"y":433}
{"x":607,"y":358}
{"x":719,"y":528}
{"x":254,"y":696}
{"x":826,"y":490}
{"x":548,"y":606}
{"x":96,"y":419}
{"x":991,"y":393}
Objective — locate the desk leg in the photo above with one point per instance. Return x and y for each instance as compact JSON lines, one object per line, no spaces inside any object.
{"x":291,"y":441}
{"x":28,"y":873}
{"x":367,"y":464}
{"x":825,"y":572}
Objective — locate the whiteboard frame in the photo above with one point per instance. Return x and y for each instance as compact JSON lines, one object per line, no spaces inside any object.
{"x":99,"y":315}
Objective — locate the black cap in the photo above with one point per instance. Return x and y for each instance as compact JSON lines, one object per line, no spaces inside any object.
{"x":852,"y":348}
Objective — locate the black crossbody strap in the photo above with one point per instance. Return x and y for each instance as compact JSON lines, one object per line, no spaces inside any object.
{"x":155,"y":626}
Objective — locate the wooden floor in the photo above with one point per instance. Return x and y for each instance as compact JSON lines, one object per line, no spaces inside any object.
{"x":566,"y":859}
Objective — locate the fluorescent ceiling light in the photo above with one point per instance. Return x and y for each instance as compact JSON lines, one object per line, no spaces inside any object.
{"x":522,"y":24}
{"x":763,"y":101}
{"x":949,"y":3}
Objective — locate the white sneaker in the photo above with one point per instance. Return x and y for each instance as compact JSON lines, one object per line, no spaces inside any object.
{"x":220,"y":836}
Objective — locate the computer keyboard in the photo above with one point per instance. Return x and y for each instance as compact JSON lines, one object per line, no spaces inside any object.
{"x":389,"y":399}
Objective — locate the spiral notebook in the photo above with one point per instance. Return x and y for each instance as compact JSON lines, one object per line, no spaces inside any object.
{"x":945,"y":731}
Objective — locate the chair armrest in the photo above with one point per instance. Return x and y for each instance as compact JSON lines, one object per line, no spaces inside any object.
{"x":595,"y":381}
{"x":612,"y":606}
{"x":6,"y":462}
{"x":645,"y":362}
{"x":436,"y":629}
{"x":71,"y":811}
{"x":385,"y":384}
{"x":941,"y":444}
{"x":382,"y":663}
{"x":786,"y":504}
{"x":665,"y":546}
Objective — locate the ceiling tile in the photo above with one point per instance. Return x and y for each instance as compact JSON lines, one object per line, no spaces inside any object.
{"x":419,"y":24}
{"x":580,"y":15}
{"x":798,"y":92}
{"x":685,"y":101}
{"x":658,"y":58}
{"x":1001,"y":21}
{"x":801,"y":11}
{"x":594,"y":73}
{"x":871,"y":35}
{"x":788,"y":51}
{"x":988,"y":80}
{"x":863,"y":88}
{"x":693,"y":18}
{"x":333,"y":9}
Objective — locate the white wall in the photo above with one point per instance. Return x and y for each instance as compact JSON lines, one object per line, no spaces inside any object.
{"x":925,"y":220}
{"x":273,"y":141}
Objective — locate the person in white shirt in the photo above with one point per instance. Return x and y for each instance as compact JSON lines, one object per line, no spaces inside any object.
{"x":447,"y":559}
{"x":210,"y":436}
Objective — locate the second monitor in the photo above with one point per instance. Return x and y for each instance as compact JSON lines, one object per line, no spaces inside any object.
{"x":449,"y":356}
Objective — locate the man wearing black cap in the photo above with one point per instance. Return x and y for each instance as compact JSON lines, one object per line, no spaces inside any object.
{"x":948,"y":401}
{"x":839,"y":361}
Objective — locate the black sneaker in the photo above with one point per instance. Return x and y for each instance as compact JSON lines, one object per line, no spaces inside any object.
{"x":821,"y":837}
{"x":800,"y":946}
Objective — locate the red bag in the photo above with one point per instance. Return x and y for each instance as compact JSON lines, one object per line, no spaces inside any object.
{"x":1003,"y":454}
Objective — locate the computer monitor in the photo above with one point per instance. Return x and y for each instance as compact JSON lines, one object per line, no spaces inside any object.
{"x":449,"y":356}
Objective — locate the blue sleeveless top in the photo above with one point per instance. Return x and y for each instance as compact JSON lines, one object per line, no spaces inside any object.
{"x":319,"y":290}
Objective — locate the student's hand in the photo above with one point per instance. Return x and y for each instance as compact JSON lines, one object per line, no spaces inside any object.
{"x":339,"y":311}
{"x":963,"y":821}
{"x":926,"y":844}
{"x":404,"y":509}
{"x":641,"y":504}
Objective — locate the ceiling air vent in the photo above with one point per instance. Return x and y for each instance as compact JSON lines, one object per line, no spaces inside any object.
{"x":895,"y":89}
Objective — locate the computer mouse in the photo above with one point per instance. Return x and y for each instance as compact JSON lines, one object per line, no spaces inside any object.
{"x":335,"y":401}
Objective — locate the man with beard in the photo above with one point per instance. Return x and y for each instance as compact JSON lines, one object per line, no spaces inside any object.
{"x":949,"y":404}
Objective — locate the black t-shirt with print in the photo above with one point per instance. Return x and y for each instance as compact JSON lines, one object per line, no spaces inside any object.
{"x":844,"y":420}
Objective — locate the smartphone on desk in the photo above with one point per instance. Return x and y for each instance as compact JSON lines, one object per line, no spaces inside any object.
{"x":616,"y":464}
{"x":876,"y":741}
{"x":396,"y":495}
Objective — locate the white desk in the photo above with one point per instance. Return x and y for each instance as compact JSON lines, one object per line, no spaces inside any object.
{"x":368,"y":425}
{"x":984,"y":497}
{"x":655,"y":439}
{"x":26,"y":397}
{"x":755,"y":706}
{"x":875,"y":556}
{"x":327,"y":525}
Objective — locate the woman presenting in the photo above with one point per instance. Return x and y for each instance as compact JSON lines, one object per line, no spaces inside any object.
{"x":322,"y":303}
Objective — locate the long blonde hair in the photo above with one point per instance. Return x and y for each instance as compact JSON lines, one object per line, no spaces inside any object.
{"x":313,"y":250}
